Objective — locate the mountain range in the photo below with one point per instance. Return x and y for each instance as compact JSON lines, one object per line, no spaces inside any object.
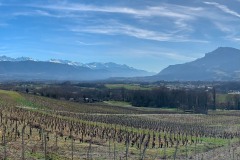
{"x":222,"y":64}
{"x":25,"y":68}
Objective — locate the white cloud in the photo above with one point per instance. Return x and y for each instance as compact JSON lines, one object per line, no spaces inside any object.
{"x":224,"y":8}
{"x":41,"y":13}
{"x":236,"y":38}
{"x":232,"y":33}
{"x":181,"y":19}
{"x":165,"y":10}
{"x":123,"y":29}
{"x":178,"y":16}
{"x":179,"y":27}
{"x":128,"y":30}
{"x":224,"y":27}
{"x":159,"y":52}
{"x":179,"y":57}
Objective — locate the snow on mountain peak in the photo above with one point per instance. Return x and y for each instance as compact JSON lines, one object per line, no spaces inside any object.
{"x":5,"y":58}
{"x":92,"y":65}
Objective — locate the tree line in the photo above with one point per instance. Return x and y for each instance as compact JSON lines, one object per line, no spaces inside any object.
{"x":194,"y":100}
{"x":197,"y":100}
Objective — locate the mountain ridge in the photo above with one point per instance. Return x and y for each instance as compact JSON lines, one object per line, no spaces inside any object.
{"x":220,"y":64}
{"x":92,"y":65}
{"x":25,"y":68}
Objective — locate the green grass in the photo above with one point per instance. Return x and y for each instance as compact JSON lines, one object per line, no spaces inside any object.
{"x":224,"y":98}
{"x":128,"y":86}
{"x":144,"y":109}
{"x":16,"y":99}
{"x":221,"y":98}
{"x":9,"y":97}
{"x":12,"y":94}
{"x":40,"y":156}
{"x":118,"y":103}
{"x":26,"y":103}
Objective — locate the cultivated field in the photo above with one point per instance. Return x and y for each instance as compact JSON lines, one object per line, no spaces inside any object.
{"x":35,"y":127}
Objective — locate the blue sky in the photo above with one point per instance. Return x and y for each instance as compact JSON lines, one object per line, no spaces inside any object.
{"x":145,"y":34}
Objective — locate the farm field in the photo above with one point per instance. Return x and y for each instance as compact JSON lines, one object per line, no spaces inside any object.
{"x":35,"y":127}
{"x":129,"y":86}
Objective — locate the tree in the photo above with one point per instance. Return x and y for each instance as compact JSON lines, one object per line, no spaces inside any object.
{"x":214,"y":98}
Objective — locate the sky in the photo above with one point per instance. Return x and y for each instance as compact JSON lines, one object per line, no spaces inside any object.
{"x":145,"y":34}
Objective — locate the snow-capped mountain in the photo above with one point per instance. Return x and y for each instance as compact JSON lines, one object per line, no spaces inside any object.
{"x":5,"y":58}
{"x":25,"y":68}
{"x":98,"y":65}
{"x":66,"y":62}
{"x":92,"y":65}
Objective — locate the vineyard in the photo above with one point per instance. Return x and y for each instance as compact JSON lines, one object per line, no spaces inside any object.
{"x":35,"y":127}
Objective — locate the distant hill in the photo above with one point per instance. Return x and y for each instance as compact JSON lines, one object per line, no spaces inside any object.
{"x":222,"y":64}
{"x":25,"y":68}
